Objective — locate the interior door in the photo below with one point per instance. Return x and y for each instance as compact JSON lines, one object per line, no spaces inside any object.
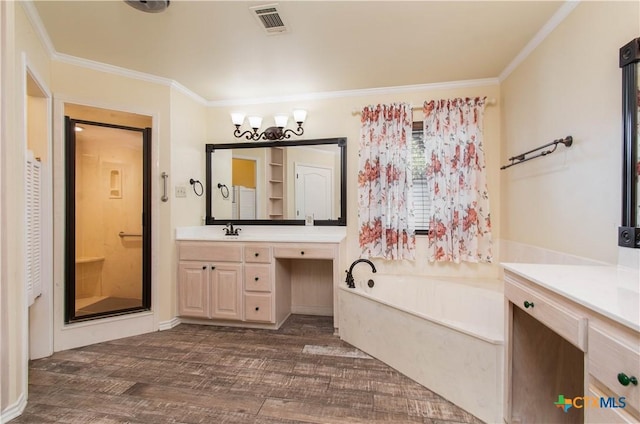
{"x":313,"y":192}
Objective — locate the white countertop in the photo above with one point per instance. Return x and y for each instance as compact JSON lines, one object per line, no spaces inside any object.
{"x":611,"y":291}
{"x":265,"y":233}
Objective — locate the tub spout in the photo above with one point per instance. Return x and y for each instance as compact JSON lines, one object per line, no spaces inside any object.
{"x":349,"y":280}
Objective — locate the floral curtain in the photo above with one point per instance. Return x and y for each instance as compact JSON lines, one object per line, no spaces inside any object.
{"x":460,"y":225}
{"x":385,"y":217}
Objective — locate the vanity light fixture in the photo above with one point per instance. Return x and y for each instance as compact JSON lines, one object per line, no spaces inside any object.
{"x":277,"y":132}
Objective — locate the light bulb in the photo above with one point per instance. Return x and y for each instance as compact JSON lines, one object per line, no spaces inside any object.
{"x":299,"y":115}
{"x":281,"y":120}
{"x":255,"y":122}
{"x":237,"y":118}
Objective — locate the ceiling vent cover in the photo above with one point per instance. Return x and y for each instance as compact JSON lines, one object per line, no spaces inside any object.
{"x":270,"y":18}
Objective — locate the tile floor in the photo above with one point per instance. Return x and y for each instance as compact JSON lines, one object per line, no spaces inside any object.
{"x":204,"y":374}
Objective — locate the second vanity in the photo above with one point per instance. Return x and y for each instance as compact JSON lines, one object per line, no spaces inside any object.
{"x":572,"y":339}
{"x":259,"y":278}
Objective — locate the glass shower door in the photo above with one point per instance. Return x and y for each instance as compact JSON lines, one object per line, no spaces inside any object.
{"x":107,"y":236}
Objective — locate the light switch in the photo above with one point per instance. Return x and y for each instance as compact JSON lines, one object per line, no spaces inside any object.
{"x":181,"y":191}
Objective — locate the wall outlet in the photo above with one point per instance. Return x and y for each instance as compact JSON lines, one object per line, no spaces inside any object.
{"x":181,"y":191}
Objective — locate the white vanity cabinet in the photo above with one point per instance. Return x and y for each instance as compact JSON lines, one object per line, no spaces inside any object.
{"x":210,"y":281}
{"x":571,"y":335}
{"x":256,"y":283}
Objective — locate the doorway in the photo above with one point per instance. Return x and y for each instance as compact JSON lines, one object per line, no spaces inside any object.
{"x":108,"y":219}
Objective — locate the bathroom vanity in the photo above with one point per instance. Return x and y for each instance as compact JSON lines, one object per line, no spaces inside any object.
{"x":259,"y":278}
{"x":572,"y":342}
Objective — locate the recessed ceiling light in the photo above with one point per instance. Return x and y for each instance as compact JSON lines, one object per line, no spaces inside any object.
{"x":78,"y":128}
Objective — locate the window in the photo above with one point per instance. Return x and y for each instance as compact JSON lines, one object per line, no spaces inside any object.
{"x":421,"y":192}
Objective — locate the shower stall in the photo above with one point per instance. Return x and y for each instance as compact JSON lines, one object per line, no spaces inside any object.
{"x":107,"y":226}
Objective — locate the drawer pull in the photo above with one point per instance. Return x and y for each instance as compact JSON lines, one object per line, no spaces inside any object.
{"x":624,"y":379}
{"x":257,"y":308}
{"x":528,"y":304}
{"x":256,"y":254}
{"x":257,"y":278}
{"x":302,"y":252}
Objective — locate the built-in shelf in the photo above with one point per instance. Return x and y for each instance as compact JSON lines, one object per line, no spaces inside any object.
{"x":276,"y":176}
{"x":89,"y":259}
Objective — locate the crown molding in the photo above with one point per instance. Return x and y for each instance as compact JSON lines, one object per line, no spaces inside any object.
{"x":128,"y":73}
{"x":356,"y":93}
{"x":38,"y":26}
{"x":540,"y":36}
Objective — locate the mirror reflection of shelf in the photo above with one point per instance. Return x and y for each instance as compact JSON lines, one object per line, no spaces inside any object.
{"x":276,"y":178}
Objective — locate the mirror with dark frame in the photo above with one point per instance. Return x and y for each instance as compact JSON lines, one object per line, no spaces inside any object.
{"x":629,"y":231}
{"x":277,"y":183}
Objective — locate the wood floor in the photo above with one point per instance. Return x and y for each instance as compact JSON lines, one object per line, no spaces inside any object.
{"x":214,"y":375}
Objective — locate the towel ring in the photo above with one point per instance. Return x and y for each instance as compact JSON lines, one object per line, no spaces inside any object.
{"x":224,"y":190}
{"x":193,"y":183}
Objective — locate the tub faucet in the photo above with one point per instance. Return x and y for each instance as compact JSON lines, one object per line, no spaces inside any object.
{"x":350,"y":282}
{"x":230,"y":231}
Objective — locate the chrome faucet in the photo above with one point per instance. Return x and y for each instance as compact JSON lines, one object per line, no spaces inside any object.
{"x":230,"y":231}
{"x":350,"y":281}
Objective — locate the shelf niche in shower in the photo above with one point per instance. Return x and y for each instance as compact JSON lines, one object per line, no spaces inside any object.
{"x":115,"y":184}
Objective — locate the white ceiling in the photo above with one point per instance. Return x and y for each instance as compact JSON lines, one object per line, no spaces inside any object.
{"x":218,"y":50}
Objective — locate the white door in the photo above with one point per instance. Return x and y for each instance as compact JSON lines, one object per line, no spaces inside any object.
{"x":313,"y":192}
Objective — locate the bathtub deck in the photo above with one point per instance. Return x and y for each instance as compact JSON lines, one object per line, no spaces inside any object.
{"x":203,"y":374}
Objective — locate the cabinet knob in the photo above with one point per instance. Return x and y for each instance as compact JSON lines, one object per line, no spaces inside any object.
{"x":624,"y":379}
{"x":213,"y":267}
{"x":257,"y":278}
{"x":528,"y":304}
{"x":256,"y":254}
{"x":257,"y":308}
{"x":302,"y":252}
{"x":204,"y":267}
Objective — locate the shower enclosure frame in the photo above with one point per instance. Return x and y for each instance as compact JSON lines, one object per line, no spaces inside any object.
{"x":70,"y":314}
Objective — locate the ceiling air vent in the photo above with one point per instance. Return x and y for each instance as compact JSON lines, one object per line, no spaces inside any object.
{"x":270,"y":18}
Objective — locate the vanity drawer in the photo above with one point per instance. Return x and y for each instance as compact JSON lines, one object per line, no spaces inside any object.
{"x":564,"y":322}
{"x":257,"y":278}
{"x":257,"y":254}
{"x":257,"y":307}
{"x":211,"y":252}
{"x":305,"y":251}
{"x":608,"y":358}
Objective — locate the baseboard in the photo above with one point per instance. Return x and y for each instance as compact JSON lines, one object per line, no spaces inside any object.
{"x":168,"y":325}
{"x":15,"y":410}
{"x":325,"y":311}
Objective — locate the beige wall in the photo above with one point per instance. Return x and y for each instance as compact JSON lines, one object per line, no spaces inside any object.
{"x":187,"y":139}
{"x":570,"y":85}
{"x":334,"y":118}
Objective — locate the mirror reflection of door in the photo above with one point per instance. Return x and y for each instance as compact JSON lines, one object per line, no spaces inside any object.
{"x":243,"y":196}
{"x":108,"y":219}
{"x":313,"y":192}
